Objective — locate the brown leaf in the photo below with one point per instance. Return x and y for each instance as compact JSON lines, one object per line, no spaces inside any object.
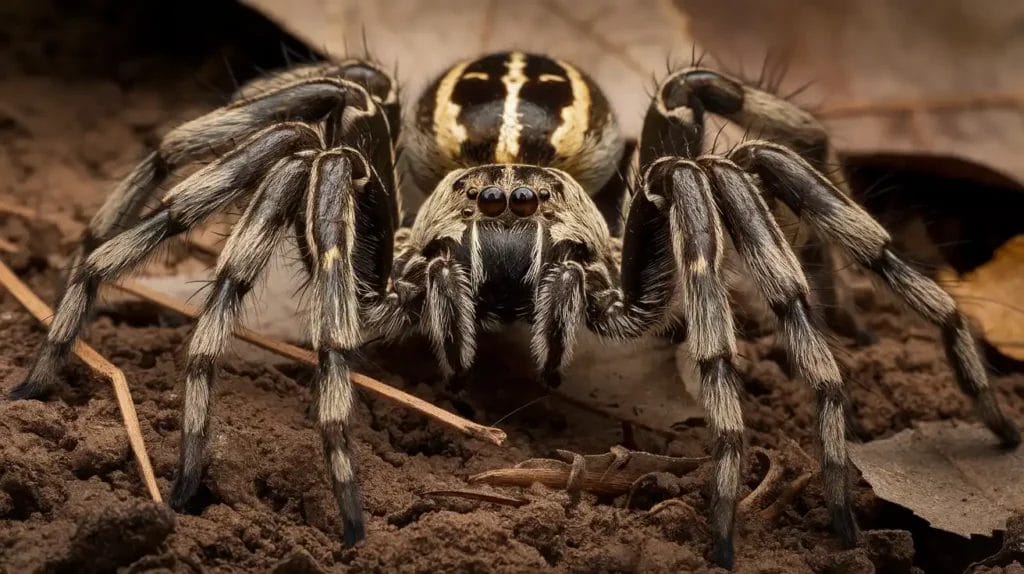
{"x":952,"y":475}
{"x":915,"y":76}
{"x":991,"y":295}
{"x":621,"y":44}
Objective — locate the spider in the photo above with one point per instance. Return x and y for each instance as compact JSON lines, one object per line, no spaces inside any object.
{"x":521,"y":153}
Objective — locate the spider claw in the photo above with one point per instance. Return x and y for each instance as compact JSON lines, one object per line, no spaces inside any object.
{"x":723,"y":553}
{"x":347,"y":495}
{"x":845,"y":525}
{"x":28,"y":389}
{"x":185,"y":487}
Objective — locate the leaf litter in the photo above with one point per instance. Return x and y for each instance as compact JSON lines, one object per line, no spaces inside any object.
{"x":186,"y":535}
{"x":951,"y":474}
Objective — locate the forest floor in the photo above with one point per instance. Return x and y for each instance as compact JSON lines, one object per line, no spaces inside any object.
{"x":76,"y":112}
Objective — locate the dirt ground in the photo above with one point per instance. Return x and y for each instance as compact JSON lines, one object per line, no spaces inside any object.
{"x":80,"y":100}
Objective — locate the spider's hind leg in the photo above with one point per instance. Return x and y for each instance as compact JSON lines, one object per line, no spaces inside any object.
{"x":675,"y":126}
{"x":836,"y":218}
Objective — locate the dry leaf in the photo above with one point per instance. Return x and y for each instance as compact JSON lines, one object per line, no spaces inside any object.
{"x":991,"y":295}
{"x":909,"y":77}
{"x":952,"y":475}
{"x":621,"y":44}
{"x":914,"y":76}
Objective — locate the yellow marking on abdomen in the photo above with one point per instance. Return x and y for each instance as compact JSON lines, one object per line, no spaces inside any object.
{"x":476,"y":76}
{"x":550,"y":78}
{"x":568,"y":138}
{"x":448,"y":132}
{"x":507,"y":149}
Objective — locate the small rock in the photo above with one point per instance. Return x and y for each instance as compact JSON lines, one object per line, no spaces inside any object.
{"x":99,"y":452}
{"x":298,"y":561}
{"x":117,"y":536}
{"x":890,"y":550}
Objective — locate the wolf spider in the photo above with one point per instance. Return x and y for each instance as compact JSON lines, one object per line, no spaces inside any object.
{"x":522,"y":153}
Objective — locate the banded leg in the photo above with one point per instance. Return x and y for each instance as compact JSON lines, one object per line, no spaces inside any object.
{"x":240,"y":264}
{"x":836,"y":218}
{"x":558,"y":315}
{"x":189,"y":203}
{"x":674,"y":126}
{"x":777,"y":274}
{"x":699,"y":244}
{"x":350,"y":263}
{"x":213,"y":133}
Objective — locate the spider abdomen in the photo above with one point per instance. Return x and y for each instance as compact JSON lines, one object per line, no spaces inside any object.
{"x":514,"y":107}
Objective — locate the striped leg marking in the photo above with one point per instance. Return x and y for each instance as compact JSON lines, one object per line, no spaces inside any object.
{"x":334,"y":319}
{"x":842,"y":222}
{"x":188,"y":204}
{"x":448,"y":317}
{"x":777,"y":273}
{"x":699,"y":243}
{"x":244,"y":257}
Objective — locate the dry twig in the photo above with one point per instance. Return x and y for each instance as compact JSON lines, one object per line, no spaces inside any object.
{"x":609,"y":474}
{"x":480,"y":495}
{"x":298,"y":354}
{"x":773,"y":484}
{"x":97,"y":363}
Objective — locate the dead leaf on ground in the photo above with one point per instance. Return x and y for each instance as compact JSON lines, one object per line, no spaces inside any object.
{"x":914,"y":76}
{"x":952,"y":475}
{"x":620,"y":44}
{"x":991,"y":295}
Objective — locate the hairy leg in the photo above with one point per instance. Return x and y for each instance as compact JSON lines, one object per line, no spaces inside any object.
{"x":189,"y":203}
{"x":777,"y":273}
{"x":244,"y":257}
{"x":675,"y":127}
{"x":836,"y":218}
{"x":301,"y":99}
{"x":349,"y":238}
{"x":558,"y":315}
{"x":699,"y":243}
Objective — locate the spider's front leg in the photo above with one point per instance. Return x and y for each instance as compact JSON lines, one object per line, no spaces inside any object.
{"x":350,"y":220}
{"x":671,"y":257}
{"x":674,"y":237}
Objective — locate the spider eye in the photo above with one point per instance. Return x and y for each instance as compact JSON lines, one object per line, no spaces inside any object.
{"x":492,"y":201}
{"x":523,"y":201}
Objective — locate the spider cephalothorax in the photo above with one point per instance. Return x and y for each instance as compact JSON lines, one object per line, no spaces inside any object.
{"x":518,"y":151}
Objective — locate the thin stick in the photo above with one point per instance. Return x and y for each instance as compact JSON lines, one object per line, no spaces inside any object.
{"x":34,"y":305}
{"x":480,"y":495}
{"x":298,"y":354}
